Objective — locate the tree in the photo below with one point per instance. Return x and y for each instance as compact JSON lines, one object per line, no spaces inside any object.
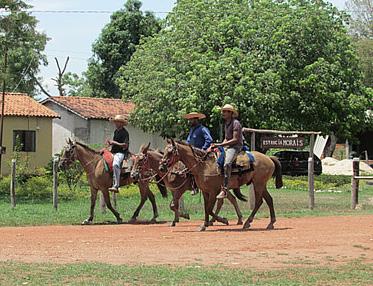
{"x":285,"y":64}
{"x":115,"y":46}
{"x":361,"y":12}
{"x":23,"y":44}
{"x":365,"y":51}
{"x":75,"y":85}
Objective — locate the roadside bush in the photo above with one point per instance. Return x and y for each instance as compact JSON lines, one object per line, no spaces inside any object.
{"x":4,"y":186}
{"x":36,"y":188}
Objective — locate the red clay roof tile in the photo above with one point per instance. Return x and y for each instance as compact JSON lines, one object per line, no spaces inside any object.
{"x":20,"y":104}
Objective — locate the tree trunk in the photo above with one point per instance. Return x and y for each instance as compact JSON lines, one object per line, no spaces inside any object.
{"x":330,"y":146}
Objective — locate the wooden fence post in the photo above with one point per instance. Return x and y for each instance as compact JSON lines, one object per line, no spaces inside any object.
{"x":311,"y":175}
{"x":252,"y":141}
{"x":355,"y":183}
{"x":13,"y":184}
{"x":55,"y":183}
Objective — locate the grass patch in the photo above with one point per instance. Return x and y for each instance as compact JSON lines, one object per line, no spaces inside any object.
{"x":288,"y":203}
{"x":355,"y":273}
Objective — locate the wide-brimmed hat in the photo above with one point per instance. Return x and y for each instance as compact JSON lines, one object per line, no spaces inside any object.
{"x":120,"y":118}
{"x":194,"y":115}
{"x":231,"y":108}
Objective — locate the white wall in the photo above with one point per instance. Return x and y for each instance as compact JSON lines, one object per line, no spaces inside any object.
{"x":63,"y":128}
{"x":98,"y":131}
{"x":102,"y":130}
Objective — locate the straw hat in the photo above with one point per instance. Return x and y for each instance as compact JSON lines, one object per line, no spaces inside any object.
{"x":120,"y":118}
{"x":194,"y":115}
{"x":231,"y":108}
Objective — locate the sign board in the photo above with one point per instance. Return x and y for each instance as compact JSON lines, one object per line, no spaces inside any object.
{"x":282,"y":142}
{"x":2,"y":150}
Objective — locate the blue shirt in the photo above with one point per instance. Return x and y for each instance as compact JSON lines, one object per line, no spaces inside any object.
{"x":199,"y":137}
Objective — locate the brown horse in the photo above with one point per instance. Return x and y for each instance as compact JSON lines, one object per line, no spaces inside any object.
{"x":209,"y":178}
{"x":147,"y":162}
{"x":100,"y":179}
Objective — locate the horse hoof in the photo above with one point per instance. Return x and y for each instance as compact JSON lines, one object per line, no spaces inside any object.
{"x":132,"y":220}
{"x":210,"y":223}
{"x":87,"y":222}
{"x":202,"y":228}
{"x":173,"y":224}
{"x":225,"y":221}
{"x":153,"y":220}
{"x":186,"y":216}
{"x":240,"y":222}
{"x":270,"y":227}
{"x":246,"y":226}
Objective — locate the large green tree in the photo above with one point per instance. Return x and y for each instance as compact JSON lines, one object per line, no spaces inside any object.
{"x":115,"y":46}
{"x":285,"y":64}
{"x":23,"y":44}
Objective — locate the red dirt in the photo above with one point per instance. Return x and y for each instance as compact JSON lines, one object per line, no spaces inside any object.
{"x":297,"y":241}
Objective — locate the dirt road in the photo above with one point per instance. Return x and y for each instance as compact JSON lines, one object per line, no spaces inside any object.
{"x":314,"y":241}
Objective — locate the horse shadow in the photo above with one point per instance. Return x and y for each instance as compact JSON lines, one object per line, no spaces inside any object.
{"x":137,"y":222}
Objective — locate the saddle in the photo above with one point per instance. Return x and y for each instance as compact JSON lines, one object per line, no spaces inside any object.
{"x":244,"y":162}
{"x":108,"y":158}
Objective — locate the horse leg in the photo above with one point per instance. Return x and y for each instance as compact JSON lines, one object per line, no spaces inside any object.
{"x":154,"y":205}
{"x":93,"y":204}
{"x":143,"y":199}
{"x":174,"y":206}
{"x":183,"y":213}
{"x":217,"y":211}
{"x":211,"y":204}
{"x":110,"y":207}
{"x":205,"y":202}
{"x":258,"y":203}
{"x":233,"y":201}
{"x":268,"y":198}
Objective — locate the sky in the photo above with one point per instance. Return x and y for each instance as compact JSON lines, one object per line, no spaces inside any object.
{"x":72,"y":34}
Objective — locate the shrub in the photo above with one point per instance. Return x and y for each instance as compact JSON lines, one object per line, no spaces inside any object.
{"x":4,"y":186}
{"x":36,"y":188}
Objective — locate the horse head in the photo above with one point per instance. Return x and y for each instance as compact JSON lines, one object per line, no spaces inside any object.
{"x":171,"y":156}
{"x":68,"y":155}
{"x":141,"y":163}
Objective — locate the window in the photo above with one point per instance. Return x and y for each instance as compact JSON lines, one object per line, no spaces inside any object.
{"x":24,"y":141}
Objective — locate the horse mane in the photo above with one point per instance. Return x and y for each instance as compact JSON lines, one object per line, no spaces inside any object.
{"x":87,"y":147}
{"x":197,"y":151}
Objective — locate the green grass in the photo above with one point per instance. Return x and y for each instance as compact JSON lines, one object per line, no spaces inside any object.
{"x":288,"y":203}
{"x":12,"y":273}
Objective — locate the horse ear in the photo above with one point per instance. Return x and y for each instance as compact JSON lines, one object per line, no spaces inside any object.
{"x":173,"y":142}
{"x":146,"y":148}
{"x":69,"y":141}
{"x":168,"y":140}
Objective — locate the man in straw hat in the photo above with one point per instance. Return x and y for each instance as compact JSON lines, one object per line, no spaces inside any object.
{"x":232,"y":143}
{"x":199,"y":136}
{"x":119,"y":148}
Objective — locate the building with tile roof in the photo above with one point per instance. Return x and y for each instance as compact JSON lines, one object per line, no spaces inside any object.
{"x":86,"y":119}
{"x":27,"y":125}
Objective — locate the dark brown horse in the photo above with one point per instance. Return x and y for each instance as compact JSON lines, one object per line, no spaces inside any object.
{"x":100,"y":179}
{"x":209,"y":178}
{"x":147,"y":162}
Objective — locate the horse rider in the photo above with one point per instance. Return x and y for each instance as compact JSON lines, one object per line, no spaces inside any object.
{"x":232,"y":143}
{"x":199,"y":136}
{"x":119,"y":148}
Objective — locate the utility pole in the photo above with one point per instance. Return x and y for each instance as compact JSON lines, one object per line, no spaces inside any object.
{"x":3,"y":107}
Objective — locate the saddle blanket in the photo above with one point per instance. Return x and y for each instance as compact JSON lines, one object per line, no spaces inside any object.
{"x":244,"y":159}
{"x":108,"y":158}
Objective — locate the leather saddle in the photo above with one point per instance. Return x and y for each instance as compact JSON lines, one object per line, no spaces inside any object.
{"x":108,"y":158}
{"x":244,"y":161}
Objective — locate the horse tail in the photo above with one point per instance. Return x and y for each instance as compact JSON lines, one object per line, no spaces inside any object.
{"x":161,"y":187}
{"x":277,"y":172}
{"x":239,"y":195}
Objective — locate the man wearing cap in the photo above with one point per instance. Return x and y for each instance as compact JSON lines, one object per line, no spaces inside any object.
{"x":119,"y":148}
{"x":232,"y":143}
{"x":199,"y":136}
